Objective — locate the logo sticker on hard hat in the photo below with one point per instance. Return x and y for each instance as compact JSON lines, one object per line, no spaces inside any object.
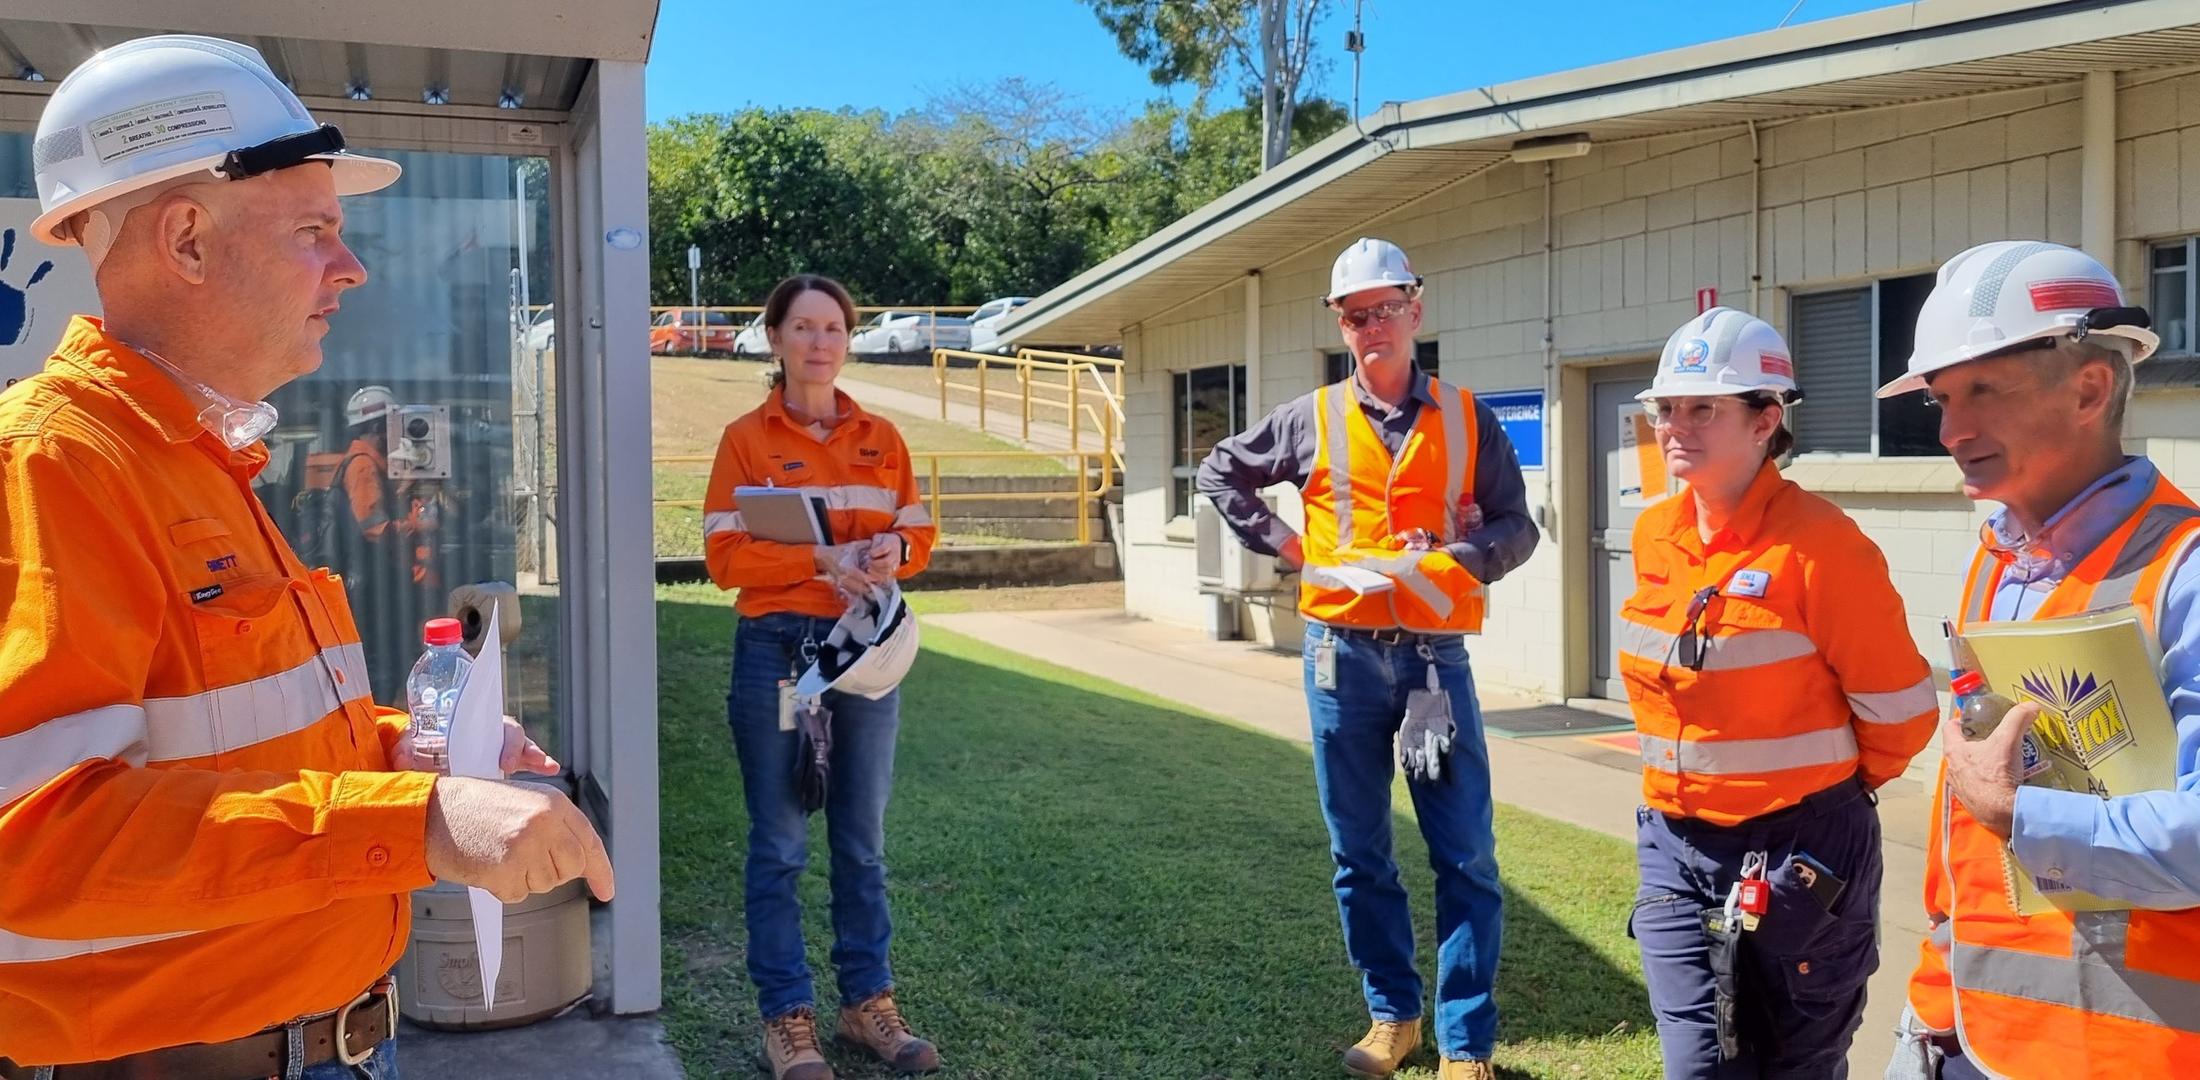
{"x":2073,"y":293}
{"x":134,"y":131}
{"x":1693,"y":357}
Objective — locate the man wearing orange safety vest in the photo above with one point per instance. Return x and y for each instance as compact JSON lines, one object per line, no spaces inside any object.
{"x":206,"y":838}
{"x":1414,"y":502}
{"x":2028,"y":349}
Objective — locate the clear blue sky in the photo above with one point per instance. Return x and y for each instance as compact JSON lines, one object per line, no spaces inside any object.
{"x":722,"y":55}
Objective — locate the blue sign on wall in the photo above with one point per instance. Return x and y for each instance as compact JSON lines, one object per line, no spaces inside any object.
{"x":1521,"y":414}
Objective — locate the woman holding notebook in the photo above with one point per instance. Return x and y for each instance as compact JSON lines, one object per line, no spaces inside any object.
{"x":858,"y":525}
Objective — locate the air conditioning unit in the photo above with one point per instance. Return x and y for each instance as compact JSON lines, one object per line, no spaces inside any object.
{"x":1224,"y":564}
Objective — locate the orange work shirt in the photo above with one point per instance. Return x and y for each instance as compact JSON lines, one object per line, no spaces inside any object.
{"x":861,"y":470}
{"x":199,"y":834}
{"x":1770,"y":663}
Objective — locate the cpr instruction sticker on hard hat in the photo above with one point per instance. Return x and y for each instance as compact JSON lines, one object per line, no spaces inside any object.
{"x":148,"y":127}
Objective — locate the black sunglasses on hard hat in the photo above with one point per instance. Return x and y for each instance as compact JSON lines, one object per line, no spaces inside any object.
{"x":281,"y":153}
{"x":2105,"y":318}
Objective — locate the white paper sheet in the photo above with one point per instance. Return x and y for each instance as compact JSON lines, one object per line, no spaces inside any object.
{"x":1359,"y":579}
{"x":476,"y":742}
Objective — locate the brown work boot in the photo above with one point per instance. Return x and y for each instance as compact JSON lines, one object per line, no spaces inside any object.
{"x":790,"y":1047}
{"x":1386,"y":1044}
{"x":875,"y":1024}
{"x":1453,"y":1069}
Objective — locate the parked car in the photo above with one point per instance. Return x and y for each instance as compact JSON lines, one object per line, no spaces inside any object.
{"x":752,"y":341}
{"x":911,"y":331}
{"x":688,"y":330}
{"x":541,"y":333}
{"x":985,"y":324}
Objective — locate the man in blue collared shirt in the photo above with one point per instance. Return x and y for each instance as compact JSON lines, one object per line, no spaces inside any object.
{"x":2027,"y":348}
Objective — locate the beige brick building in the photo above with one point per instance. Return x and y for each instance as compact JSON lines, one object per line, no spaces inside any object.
{"x":1565,"y":225}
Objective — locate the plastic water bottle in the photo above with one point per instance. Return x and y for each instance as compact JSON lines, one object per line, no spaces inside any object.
{"x":431,"y":692}
{"x":1981,"y":708}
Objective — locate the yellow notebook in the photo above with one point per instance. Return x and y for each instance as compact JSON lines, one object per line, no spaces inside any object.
{"x":2104,"y":726}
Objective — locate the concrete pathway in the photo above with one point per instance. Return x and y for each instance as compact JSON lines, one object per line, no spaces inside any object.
{"x":576,"y":1046}
{"x":1576,"y":779}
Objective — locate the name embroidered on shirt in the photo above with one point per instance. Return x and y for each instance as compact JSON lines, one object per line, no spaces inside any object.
{"x":226,"y":562}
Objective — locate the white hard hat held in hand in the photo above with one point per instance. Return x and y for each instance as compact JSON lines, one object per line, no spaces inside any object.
{"x":1724,"y":351}
{"x":174,"y":107}
{"x":2000,"y":295}
{"x":1370,"y":264}
{"x":868,"y":650}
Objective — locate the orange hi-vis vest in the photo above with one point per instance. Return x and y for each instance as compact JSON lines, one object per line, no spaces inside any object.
{"x":200,"y":836}
{"x":1770,"y":663}
{"x":2075,"y":994}
{"x":1358,"y":500}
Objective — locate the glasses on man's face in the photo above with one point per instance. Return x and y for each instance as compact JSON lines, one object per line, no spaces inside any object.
{"x":1362,"y":318}
{"x":1690,"y":413}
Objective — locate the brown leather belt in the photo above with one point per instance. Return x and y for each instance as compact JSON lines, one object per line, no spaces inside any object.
{"x":349,"y":1035}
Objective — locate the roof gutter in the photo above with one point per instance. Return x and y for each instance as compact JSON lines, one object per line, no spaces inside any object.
{"x":1297,"y":170}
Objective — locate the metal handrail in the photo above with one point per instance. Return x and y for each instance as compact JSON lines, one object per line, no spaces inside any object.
{"x":1024,"y":363}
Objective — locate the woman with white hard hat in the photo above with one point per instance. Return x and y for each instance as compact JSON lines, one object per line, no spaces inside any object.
{"x":1774,"y":687}
{"x":824,"y":641}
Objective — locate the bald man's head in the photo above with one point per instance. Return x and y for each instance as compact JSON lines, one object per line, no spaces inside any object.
{"x":246,"y":271}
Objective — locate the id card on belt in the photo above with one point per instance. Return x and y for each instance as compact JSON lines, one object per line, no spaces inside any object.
{"x":786,"y":704}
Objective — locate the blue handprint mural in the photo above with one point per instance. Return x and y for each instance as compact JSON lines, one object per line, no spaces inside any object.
{"x":15,"y":300}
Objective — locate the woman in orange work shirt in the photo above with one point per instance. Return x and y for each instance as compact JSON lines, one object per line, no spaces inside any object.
{"x":809,"y":435}
{"x":1774,"y":686}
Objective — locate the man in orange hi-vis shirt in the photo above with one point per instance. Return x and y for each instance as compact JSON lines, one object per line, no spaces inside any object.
{"x":207,"y":830}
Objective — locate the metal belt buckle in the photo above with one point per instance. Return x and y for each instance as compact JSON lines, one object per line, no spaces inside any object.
{"x":385,"y":986}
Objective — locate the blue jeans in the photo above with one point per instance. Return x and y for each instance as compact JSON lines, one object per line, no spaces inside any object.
{"x":1354,"y":726}
{"x":1801,"y":972}
{"x":767,"y":649}
{"x":382,"y":1065}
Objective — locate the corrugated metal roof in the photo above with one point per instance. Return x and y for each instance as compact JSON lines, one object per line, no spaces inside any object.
{"x":324,"y":68}
{"x":1890,"y":57}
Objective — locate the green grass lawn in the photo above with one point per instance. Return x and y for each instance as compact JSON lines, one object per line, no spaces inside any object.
{"x":1091,"y":882}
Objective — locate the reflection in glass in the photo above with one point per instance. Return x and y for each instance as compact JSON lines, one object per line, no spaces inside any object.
{"x":415,"y":461}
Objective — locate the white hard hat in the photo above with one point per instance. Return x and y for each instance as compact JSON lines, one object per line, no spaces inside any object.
{"x":369,"y":403}
{"x":1370,"y":264}
{"x":159,"y":108}
{"x":868,"y":651}
{"x":2006,"y":293}
{"x":1724,"y":351}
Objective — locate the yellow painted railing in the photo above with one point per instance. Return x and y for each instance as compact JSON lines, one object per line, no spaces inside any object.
{"x":1078,"y":391}
{"x":1092,"y":476}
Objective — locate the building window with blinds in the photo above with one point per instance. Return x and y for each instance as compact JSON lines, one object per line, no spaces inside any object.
{"x":1847,"y":343}
{"x":1209,"y":407}
{"x":2170,"y":295}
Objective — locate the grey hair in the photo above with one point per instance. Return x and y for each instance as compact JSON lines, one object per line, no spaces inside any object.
{"x":2069,"y":354}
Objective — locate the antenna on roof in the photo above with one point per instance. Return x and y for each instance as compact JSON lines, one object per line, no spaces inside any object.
{"x":1791,"y":14}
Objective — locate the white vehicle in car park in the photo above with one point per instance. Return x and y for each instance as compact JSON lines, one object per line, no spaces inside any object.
{"x":911,"y":331}
{"x":752,"y":341}
{"x":985,"y":323}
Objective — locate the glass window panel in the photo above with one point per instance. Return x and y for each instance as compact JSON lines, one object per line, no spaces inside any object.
{"x":451,"y":487}
{"x":2170,"y":296}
